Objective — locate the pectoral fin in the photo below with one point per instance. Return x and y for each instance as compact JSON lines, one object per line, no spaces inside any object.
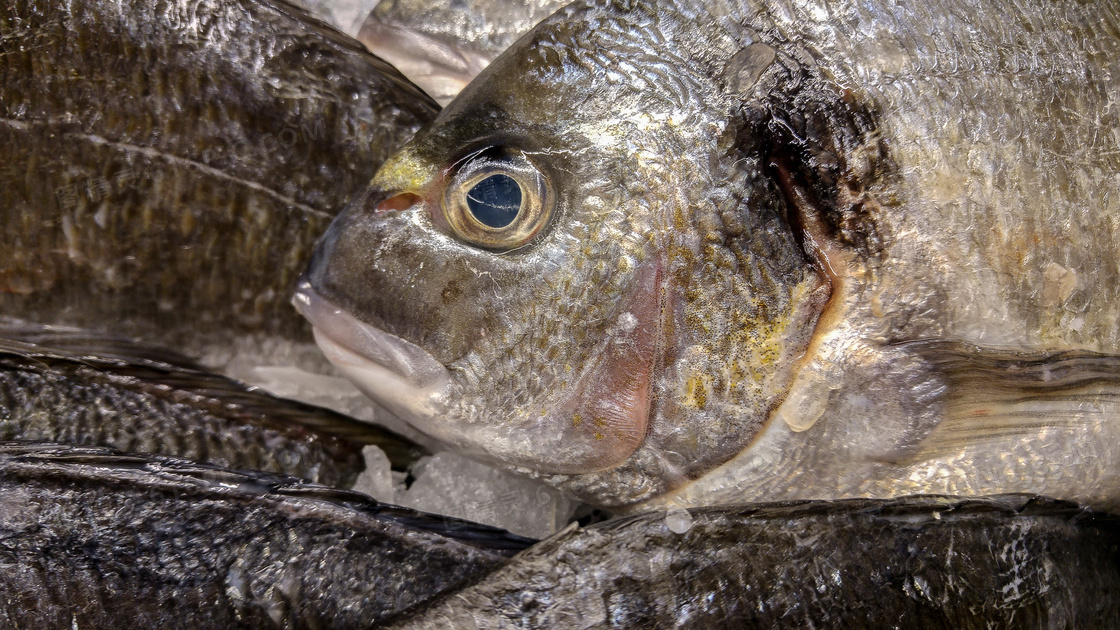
{"x":995,"y":395}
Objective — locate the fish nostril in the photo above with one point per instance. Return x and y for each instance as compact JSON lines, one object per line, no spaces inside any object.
{"x":395,"y":203}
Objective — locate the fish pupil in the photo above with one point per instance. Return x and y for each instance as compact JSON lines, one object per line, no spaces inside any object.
{"x":495,"y":201}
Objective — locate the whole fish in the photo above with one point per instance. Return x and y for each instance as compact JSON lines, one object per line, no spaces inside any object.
{"x":442,"y":45}
{"x":166,"y":167}
{"x":714,"y":251}
{"x":91,"y":538}
{"x":69,"y":387}
{"x":1006,"y":562}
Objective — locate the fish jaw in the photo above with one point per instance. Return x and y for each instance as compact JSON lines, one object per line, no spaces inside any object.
{"x":400,"y":375}
{"x":599,"y":424}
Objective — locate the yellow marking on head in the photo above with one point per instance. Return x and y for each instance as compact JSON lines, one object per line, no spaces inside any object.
{"x":696,"y":391}
{"x":404,"y":172}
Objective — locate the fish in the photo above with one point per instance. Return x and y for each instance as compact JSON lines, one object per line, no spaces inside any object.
{"x":166,"y":167}
{"x":94,"y":538}
{"x":91,"y":390}
{"x":713,"y":252}
{"x":345,"y":15}
{"x":441,"y":46}
{"x":926,"y":562}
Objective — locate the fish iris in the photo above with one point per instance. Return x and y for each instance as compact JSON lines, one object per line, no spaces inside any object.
{"x":495,"y":201}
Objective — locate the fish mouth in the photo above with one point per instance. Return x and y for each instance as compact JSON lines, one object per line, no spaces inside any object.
{"x":401,"y":376}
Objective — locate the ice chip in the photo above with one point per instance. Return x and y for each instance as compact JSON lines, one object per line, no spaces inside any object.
{"x":455,"y":486}
{"x":678,"y":520}
{"x":377,"y":479}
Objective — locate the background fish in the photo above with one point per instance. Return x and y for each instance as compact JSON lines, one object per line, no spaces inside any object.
{"x":96,"y":539}
{"x":345,"y":15}
{"x":442,"y":45}
{"x":165,"y":167}
{"x":921,"y":562}
{"x":733,"y":251}
{"x":68,"y":387}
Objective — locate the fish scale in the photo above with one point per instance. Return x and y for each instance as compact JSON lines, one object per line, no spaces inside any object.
{"x":151,"y":153}
{"x":826,"y":218}
{"x":94,"y":538}
{"x":86,"y":391}
{"x":929,"y":562}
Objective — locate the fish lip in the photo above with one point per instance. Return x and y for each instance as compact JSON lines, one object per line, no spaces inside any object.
{"x":396,"y":373}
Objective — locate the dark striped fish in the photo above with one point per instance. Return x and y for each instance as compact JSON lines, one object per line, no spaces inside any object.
{"x":918,"y":562}
{"x":95,"y":539}
{"x":69,"y":387}
{"x":166,"y":166}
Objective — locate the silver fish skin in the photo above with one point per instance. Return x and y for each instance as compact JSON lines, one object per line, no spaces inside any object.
{"x":345,"y":15}
{"x":92,"y":538}
{"x":688,"y":253}
{"x":87,"y":390}
{"x":166,"y":167}
{"x":442,"y":45}
{"x":922,"y":562}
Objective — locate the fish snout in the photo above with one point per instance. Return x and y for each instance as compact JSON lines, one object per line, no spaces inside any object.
{"x":405,"y":183}
{"x":398,"y":374}
{"x":398,"y":202}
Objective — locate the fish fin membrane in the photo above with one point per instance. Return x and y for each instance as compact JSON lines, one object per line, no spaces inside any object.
{"x":353,"y":46}
{"x":17,"y":335}
{"x":993,"y":394}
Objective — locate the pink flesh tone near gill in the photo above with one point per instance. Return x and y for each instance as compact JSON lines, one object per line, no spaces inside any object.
{"x":604,"y":419}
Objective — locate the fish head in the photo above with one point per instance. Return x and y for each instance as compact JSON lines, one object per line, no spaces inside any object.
{"x":576,"y":272}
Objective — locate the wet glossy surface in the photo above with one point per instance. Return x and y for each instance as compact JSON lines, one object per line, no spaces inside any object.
{"x":798,"y":250}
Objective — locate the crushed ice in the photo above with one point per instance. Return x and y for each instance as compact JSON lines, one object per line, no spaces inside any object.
{"x":678,"y":520}
{"x":452,"y":485}
{"x":444,"y":483}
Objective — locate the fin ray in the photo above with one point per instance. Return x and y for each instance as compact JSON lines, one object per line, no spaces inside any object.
{"x":996,"y":394}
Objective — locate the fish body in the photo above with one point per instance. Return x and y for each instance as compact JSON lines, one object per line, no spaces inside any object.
{"x":709,"y":252}
{"x":925,"y":562}
{"x":441,"y":46}
{"x":70,"y":388}
{"x":98,"y":539}
{"x":166,"y":167}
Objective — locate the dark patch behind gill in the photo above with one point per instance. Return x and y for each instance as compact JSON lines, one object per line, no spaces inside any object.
{"x":823,"y":147}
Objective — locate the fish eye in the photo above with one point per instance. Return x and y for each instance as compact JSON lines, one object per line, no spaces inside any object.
{"x":497,"y":199}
